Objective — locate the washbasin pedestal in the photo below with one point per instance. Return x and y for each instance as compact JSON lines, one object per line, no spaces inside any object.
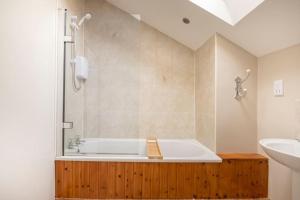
{"x":295,"y":185}
{"x":286,"y":152}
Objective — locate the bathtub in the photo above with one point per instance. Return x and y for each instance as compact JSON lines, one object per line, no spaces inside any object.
{"x":126,"y":150}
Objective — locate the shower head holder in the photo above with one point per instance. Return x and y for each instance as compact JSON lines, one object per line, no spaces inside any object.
{"x":241,"y":92}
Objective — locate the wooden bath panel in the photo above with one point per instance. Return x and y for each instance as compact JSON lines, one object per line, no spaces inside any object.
{"x":238,"y":176}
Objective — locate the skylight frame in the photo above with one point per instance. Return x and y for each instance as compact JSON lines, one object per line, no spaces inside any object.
{"x":230,"y":11}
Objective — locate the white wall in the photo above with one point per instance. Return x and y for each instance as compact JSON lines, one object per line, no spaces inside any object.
{"x":235,"y":120}
{"x":279,"y":117}
{"x":27,"y":99}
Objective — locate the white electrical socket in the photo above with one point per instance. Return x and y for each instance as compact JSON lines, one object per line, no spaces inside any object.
{"x":278,"y":88}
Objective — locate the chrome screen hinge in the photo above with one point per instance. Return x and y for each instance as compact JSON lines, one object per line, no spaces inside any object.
{"x":68,"y":39}
{"x":67,"y":125}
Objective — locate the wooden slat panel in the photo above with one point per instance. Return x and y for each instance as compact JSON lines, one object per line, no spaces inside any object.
{"x":233,"y":178}
{"x":185,"y":181}
{"x":137,"y":180}
{"x":180,"y":167}
{"x":251,"y":179}
{"x":260,"y":178}
{"x":200,"y":181}
{"x":244,"y":185}
{"x":102,"y":174}
{"x":155,"y":181}
{"x":93,"y":180}
{"x":212,"y":170}
{"x":120,"y":181}
{"x":111,"y":180}
{"x":76,"y":179}
{"x":59,"y":173}
{"x":147,"y":171}
{"x":129,"y":180}
{"x":228,"y":181}
{"x":67,"y":179}
{"x":172,"y":181}
{"x":163,"y":179}
{"x":188,"y":181}
{"x":85,"y":180}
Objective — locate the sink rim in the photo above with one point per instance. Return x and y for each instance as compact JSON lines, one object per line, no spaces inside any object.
{"x":264,"y":143}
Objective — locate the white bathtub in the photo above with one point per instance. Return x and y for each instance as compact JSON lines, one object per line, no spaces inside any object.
{"x":181,"y":150}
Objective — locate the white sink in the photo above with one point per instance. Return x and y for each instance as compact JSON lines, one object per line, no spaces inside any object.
{"x":286,"y":152}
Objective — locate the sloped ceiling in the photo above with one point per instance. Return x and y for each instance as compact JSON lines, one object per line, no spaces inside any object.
{"x":273,"y":25}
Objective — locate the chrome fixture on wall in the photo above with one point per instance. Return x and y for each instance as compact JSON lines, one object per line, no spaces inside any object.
{"x":76,"y":26}
{"x":240,"y":92}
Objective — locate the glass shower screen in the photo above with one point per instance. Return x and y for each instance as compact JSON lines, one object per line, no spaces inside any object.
{"x":102,"y":90}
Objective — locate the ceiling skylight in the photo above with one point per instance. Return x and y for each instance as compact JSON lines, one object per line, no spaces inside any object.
{"x":230,"y":11}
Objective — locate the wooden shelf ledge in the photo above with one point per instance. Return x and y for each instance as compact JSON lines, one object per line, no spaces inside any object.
{"x":242,"y":156}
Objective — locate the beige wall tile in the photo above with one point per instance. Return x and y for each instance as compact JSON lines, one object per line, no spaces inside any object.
{"x":235,"y":120}
{"x":141,"y":81}
{"x":205,"y":94}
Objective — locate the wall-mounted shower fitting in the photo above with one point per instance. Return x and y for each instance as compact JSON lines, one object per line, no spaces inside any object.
{"x":74,"y":24}
{"x":79,"y":63}
{"x":239,"y":90}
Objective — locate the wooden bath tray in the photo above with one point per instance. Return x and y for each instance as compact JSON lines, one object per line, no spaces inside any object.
{"x":153,"y":151}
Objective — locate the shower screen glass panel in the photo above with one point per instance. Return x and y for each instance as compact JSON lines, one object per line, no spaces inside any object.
{"x":102,"y":80}
{"x":140,"y":82}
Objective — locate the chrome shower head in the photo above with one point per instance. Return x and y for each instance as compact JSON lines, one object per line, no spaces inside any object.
{"x":87,"y":16}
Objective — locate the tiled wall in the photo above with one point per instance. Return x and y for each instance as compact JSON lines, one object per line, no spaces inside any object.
{"x":205,"y":93}
{"x":222,"y":123}
{"x":141,"y":82}
{"x":236,"y":129}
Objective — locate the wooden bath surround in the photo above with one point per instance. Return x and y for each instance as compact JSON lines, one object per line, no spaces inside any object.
{"x":238,"y":176}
